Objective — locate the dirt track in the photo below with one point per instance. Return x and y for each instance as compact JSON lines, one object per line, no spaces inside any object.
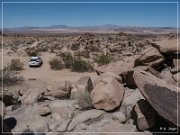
{"x":44,"y":73}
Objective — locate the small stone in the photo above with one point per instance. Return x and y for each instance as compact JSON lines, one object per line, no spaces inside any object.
{"x":119,"y":116}
{"x":83,"y":126}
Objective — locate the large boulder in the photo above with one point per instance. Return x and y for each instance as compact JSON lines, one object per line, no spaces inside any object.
{"x":118,"y":67}
{"x":176,"y":66}
{"x":81,"y":92}
{"x":108,"y":75}
{"x":59,"y":90}
{"x":161,"y":96}
{"x":168,"y":46}
{"x":43,"y":116}
{"x":28,"y":119}
{"x":31,"y":96}
{"x":128,"y":79}
{"x":176,"y":77}
{"x":84,"y":116}
{"x":167,"y":76}
{"x":131,"y":97}
{"x":107,"y":94}
{"x":86,"y":82}
{"x":144,"y":115}
{"x":149,"y":57}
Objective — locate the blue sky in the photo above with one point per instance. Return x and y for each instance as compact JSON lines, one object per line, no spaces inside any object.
{"x":85,"y":14}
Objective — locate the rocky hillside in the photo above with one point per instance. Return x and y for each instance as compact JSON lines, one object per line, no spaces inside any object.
{"x":135,"y":91}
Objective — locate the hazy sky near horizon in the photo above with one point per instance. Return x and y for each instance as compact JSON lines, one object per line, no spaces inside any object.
{"x":90,"y":14}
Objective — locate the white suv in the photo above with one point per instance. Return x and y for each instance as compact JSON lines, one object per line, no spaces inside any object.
{"x":35,"y":61}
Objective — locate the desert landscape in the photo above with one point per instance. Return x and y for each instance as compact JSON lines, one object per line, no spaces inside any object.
{"x":90,"y":82}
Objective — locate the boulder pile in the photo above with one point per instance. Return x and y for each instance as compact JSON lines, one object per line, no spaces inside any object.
{"x":129,"y":95}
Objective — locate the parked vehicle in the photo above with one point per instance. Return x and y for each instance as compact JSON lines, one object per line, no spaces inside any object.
{"x":35,"y":61}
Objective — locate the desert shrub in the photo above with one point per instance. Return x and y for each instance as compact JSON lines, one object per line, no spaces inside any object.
{"x":42,"y":49}
{"x":56,"y":63}
{"x":8,"y":77}
{"x":67,"y":58}
{"x":92,"y":48}
{"x":15,"y":65}
{"x":103,"y":59}
{"x":32,"y":52}
{"x":75,"y":46}
{"x":85,"y":101}
{"x":85,"y":54}
{"x":80,"y":65}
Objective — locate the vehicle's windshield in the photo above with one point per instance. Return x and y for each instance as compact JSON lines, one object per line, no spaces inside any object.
{"x":33,"y":59}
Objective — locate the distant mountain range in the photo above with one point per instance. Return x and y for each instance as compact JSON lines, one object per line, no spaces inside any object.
{"x":108,"y":28}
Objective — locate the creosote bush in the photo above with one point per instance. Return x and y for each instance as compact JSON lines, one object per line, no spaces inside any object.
{"x":103,"y":59}
{"x":80,"y":65}
{"x":32,"y":52}
{"x":9,"y":77}
{"x":15,"y":65}
{"x":67,"y":58}
{"x":56,"y":63}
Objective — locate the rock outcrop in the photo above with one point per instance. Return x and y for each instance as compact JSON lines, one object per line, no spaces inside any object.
{"x":107,"y":94}
{"x":59,"y":90}
{"x":144,"y":115}
{"x":149,"y":57}
{"x":118,"y":67}
{"x":161,"y":96}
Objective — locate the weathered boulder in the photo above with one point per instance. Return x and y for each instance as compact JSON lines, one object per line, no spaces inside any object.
{"x":167,"y":76}
{"x":81,"y":92}
{"x":84,"y":116}
{"x":118,"y":67}
{"x":176,"y":77}
{"x":154,"y":72}
{"x":57,"y":123}
{"x":59,"y":90}
{"x":144,"y":115}
{"x":161,"y":96}
{"x":43,"y":116}
{"x":176,"y":66}
{"x":131,"y":97}
{"x":107,"y":94}
{"x":108,"y":75}
{"x":44,"y":110}
{"x":83,"y":85}
{"x":167,"y":46}
{"x":128,"y":76}
{"x":28,"y":119}
{"x":149,"y":57}
{"x":119,"y":116}
{"x":86,"y":82}
{"x":31,"y":96}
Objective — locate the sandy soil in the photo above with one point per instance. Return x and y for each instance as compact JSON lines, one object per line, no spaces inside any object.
{"x":44,"y":73}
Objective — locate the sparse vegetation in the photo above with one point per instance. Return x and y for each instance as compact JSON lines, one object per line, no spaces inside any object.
{"x":80,"y":65}
{"x":8,"y":77}
{"x":67,"y":58}
{"x":32,"y":52}
{"x":85,"y":54}
{"x":15,"y":65}
{"x":75,"y":46}
{"x":103,"y":59}
{"x":56,"y":63}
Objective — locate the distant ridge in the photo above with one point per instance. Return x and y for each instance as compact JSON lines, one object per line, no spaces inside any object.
{"x":107,"y":28}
